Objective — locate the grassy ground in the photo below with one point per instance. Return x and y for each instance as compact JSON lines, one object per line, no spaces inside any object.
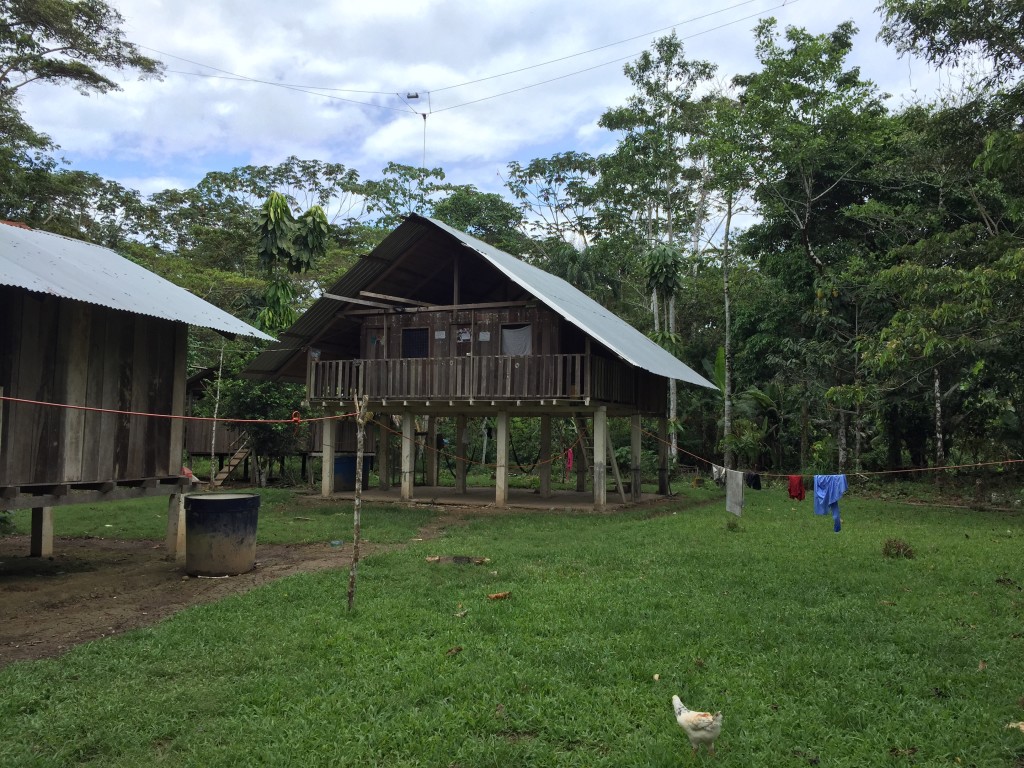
{"x":818,"y":649}
{"x":284,"y":517}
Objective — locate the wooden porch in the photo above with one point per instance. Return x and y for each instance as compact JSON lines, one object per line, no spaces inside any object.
{"x":571,"y":378}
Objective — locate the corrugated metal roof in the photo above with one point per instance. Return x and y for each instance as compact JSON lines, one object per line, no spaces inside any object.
{"x":571,"y":303}
{"x":585,"y":313}
{"x":74,"y":269}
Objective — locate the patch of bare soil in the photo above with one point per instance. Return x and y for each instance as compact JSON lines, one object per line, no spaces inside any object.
{"x":93,"y":588}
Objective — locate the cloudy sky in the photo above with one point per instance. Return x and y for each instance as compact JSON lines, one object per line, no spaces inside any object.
{"x":254,"y":81}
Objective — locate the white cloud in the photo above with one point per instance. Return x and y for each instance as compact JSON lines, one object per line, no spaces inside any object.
{"x":199,"y":119}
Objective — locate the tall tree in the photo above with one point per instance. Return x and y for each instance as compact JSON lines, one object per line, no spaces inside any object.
{"x":658,"y":124}
{"x":812,"y":127}
{"x":64,"y":42}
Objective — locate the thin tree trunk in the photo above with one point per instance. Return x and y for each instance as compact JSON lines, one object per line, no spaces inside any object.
{"x":730,"y":458}
{"x":673,"y":398}
{"x":361,"y":416}
{"x":940,"y":448}
{"x":805,"y":419}
{"x":843,"y":418}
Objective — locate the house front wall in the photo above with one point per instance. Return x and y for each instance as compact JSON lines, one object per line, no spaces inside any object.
{"x":457,"y":333}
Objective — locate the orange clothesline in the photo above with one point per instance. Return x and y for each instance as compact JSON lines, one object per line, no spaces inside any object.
{"x":295,"y":418}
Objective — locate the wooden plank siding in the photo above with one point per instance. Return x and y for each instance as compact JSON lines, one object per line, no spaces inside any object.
{"x":63,"y":351}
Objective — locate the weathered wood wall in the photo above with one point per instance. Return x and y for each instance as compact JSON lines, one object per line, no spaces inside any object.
{"x":457,"y":333}
{"x":63,"y":351}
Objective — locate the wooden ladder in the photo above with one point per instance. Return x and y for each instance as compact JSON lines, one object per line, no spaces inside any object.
{"x":239,"y":456}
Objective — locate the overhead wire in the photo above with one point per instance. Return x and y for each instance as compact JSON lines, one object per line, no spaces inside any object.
{"x":319,"y":90}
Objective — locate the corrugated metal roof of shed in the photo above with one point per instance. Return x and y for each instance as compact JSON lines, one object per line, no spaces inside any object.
{"x":74,"y":269}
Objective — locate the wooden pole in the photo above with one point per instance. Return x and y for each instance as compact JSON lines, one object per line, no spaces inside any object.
{"x":663,"y":455}
{"x":433,"y":457}
{"x":41,"y":540}
{"x":501,"y":471}
{"x":460,"y":453}
{"x":384,"y":452}
{"x":408,"y":455}
{"x":614,"y":465}
{"x":545,"y":457}
{"x":361,"y":416}
{"x":327,"y":451}
{"x":600,"y":446}
{"x":634,"y":457}
{"x":176,"y":526}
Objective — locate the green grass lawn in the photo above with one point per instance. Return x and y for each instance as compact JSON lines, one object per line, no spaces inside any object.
{"x":819,"y":650}
{"x":285,"y":517}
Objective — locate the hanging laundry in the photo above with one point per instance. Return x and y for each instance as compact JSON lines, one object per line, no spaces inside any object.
{"x":718,"y":475}
{"x":828,"y":490}
{"x":734,"y":491}
{"x":753,"y":480}
{"x":796,"y":487}
{"x":568,"y":460}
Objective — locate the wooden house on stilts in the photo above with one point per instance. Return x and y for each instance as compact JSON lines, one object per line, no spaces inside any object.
{"x":435,"y":323}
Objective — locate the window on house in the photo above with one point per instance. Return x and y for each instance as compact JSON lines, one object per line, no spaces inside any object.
{"x":415,"y":342}
{"x":517,"y":339}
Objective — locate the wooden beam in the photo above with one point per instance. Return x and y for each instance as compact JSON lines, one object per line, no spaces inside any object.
{"x":384,"y":452}
{"x":353,"y":300}
{"x":615,"y":465}
{"x":600,"y":445}
{"x":634,"y":457}
{"x":327,"y":451}
{"x":501,"y":470}
{"x":41,"y":541}
{"x":439,"y":307}
{"x":663,"y":455}
{"x":460,"y":453}
{"x":408,"y":456}
{"x":399,"y":299}
{"x":176,"y":526}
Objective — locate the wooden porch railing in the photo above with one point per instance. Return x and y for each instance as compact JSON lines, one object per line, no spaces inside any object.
{"x":533,"y":377}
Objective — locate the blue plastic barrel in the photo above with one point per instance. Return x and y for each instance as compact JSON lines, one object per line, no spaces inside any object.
{"x":345,"y":472}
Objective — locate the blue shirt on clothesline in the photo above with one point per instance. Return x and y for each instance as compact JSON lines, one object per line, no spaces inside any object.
{"x":828,"y":490}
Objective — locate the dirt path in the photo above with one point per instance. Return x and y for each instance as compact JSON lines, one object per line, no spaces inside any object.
{"x":92,"y":588}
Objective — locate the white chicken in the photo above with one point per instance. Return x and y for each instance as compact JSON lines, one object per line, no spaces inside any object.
{"x":700,"y":727}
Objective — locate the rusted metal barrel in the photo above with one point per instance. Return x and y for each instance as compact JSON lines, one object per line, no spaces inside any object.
{"x":220,"y":533}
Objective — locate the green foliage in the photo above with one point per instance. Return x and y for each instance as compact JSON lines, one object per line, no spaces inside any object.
{"x":62,"y":42}
{"x":286,"y":246}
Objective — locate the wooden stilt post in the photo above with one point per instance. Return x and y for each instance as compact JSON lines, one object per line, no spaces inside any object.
{"x":176,"y":526}
{"x":634,"y":457}
{"x":384,"y":452}
{"x":600,"y":446}
{"x":663,"y":455}
{"x":430,"y":448}
{"x":461,"y":446}
{"x":545,"y":457}
{"x":501,"y":471}
{"x":408,"y":455}
{"x":41,"y":541}
{"x":327,"y":451}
